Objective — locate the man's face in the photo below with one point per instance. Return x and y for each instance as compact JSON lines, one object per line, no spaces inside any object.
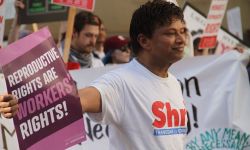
{"x":120,"y":56}
{"x":167,"y":42}
{"x":85,"y":40}
{"x":101,"y":38}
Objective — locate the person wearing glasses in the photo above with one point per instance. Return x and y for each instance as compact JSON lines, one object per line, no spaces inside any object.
{"x":117,"y":50}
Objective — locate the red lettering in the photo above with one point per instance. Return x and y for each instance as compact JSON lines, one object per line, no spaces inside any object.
{"x":170,"y":114}
{"x":183,"y":117}
{"x":1,"y":19}
{"x":77,"y":2}
{"x":215,"y":16}
{"x":157,"y":109}
{"x":90,"y":4}
{"x":207,"y":42}
{"x":212,"y":28}
{"x":218,"y":7}
{"x":1,"y":2}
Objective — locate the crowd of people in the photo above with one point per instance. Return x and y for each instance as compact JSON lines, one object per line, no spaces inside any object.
{"x":90,"y":46}
{"x":158,"y":36}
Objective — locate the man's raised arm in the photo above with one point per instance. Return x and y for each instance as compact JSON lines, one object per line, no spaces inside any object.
{"x":90,"y":101}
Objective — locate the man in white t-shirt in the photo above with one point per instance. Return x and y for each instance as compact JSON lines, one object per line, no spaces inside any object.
{"x":141,"y":101}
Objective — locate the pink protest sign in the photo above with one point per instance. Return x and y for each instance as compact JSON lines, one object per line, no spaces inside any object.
{"x":50,"y":114}
{"x":87,"y":5}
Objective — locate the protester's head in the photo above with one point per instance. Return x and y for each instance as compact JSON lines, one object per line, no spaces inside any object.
{"x":202,"y":51}
{"x":197,"y":50}
{"x":117,"y":50}
{"x":86,"y":31}
{"x":101,"y":37}
{"x":197,"y":35}
{"x":159,"y":19}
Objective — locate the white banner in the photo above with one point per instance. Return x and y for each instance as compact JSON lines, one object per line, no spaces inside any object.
{"x":217,"y":94}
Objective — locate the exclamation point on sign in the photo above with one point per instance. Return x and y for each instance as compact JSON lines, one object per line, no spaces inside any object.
{"x":195,"y":116}
{"x":65,"y":108}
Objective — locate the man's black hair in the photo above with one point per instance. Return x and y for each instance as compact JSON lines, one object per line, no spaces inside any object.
{"x":150,"y":16}
{"x":83,"y":18}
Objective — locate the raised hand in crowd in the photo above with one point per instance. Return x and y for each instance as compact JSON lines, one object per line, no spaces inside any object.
{"x":15,"y":27}
{"x":239,"y":48}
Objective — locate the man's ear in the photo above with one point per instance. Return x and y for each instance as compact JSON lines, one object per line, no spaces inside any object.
{"x":144,"y":41}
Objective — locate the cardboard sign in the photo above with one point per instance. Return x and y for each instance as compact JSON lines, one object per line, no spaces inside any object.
{"x":36,"y":11}
{"x":214,"y":20}
{"x":87,"y":5}
{"x":49,"y":107}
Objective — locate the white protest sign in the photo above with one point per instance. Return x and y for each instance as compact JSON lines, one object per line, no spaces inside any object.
{"x":234,"y":22}
{"x":214,"y":20}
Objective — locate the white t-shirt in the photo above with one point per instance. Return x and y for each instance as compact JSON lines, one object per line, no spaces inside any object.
{"x":100,"y":54}
{"x":96,"y":62}
{"x":144,"y":111}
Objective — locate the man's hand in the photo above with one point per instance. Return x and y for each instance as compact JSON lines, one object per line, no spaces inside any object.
{"x":8,"y":105}
{"x":19,"y":4}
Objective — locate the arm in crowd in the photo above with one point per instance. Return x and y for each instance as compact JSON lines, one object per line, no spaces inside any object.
{"x":15,"y":27}
{"x":90,"y":101}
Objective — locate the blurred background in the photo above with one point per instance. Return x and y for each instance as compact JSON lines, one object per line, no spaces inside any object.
{"x":116,"y":15}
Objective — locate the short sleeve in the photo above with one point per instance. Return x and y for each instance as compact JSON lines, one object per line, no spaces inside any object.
{"x":110,"y":87}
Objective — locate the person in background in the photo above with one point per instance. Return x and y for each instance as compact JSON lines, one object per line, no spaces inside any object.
{"x":141,"y":101}
{"x":117,"y":50}
{"x":196,"y":35}
{"x":85,"y":33}
{"x":99,"y":47}
{"x":248,"y":71}
{"x":197,"y":50}
{"x":16,"y":32}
